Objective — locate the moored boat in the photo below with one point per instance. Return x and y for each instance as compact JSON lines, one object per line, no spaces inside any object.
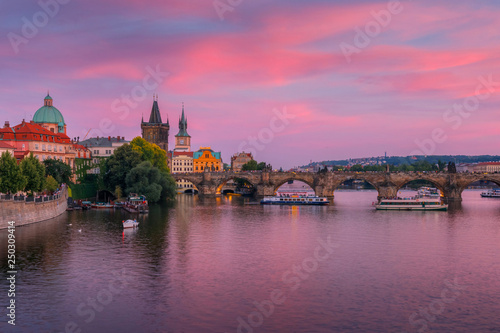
{"x":295,"y":199}
{"x":136,"y":204}
{"x":130,"y":224}
{"x":99,"y":205}
{"x":491,"y":194}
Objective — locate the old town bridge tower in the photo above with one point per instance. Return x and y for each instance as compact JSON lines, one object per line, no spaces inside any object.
{"x":154,"y":130}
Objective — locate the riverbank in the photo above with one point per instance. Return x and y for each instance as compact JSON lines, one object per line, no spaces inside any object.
{"x":24,"y":212}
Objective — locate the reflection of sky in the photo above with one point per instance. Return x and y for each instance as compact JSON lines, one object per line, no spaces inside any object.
{"x":263,"y":57}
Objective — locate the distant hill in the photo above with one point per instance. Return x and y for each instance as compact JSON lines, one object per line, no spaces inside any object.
{"x":399,"y":160}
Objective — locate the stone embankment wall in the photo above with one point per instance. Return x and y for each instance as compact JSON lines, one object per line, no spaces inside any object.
{"x":23,"y":213}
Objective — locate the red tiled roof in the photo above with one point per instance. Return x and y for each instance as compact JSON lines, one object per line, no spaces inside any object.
{"x":6,"y":145}
{"x":33,"y":132}
{"x":182,"y":153}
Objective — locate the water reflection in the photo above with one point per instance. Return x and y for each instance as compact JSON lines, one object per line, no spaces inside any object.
{"x":197,"y":265}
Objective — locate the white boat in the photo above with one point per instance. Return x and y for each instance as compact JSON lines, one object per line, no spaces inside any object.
{"x":491,"y":194}
{"x":130,"y":224}
{"x":427,"y":198}
{"x":411,"y":204}
{"x":299,"y":198}
{"x":428,"y":192}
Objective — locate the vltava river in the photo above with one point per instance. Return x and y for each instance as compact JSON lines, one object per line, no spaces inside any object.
{"x":217,"y":265}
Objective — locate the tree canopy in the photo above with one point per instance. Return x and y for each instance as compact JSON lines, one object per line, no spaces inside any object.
{"x":253,"y":165}
{"x":150,"y":152}
{"x":34,"y":172}
{"x":58,"y":169}
{"x":149,"y":180}
{"x":11,"y":177}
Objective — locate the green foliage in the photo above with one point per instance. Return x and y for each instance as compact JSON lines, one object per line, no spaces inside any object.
{"x":11,"y":177}
{"x":51,"y":184}
{"x":118,"y":192}
{"x":118,"y":165}
{"x":357,"y":167}
{"x":34,"y":172}
{"x":59,"y":170}
{"x":253,"y":165}
{"x":150,"y":152}
{"x":149,"y":180}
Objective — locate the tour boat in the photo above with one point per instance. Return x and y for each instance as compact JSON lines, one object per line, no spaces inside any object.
{"x":130,"y":224}
{"x":491,"y":194}
{"x":296,"y":198}
{"x":427,"y":198}
{"x":136,"y":204}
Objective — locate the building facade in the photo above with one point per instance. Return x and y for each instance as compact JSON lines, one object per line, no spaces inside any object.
{"x":44,"y":136}
{"x":181,"y":158}
{"x":487,"y":167}
{"x":205,"y":159}
{"x":5,"y":147}
{"x":102,"y":148}
{"x":239,"y":159}
{"x":155,"y":131}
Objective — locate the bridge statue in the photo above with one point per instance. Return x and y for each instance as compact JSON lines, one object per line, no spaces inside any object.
{"x":387,"y":184}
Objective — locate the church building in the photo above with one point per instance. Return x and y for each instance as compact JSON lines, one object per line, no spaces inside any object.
{"x":155,"y":131}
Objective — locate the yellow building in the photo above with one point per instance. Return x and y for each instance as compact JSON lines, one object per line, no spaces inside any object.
{"x":207,"y":159}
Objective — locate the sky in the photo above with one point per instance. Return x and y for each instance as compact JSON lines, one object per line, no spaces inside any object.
{"x":290,"y":81}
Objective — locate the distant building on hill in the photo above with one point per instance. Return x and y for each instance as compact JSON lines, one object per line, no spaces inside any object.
{"x":239,"y":159}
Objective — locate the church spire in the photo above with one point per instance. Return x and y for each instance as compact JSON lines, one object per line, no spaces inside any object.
{"x":155,"y":117}
{"x":183,"y":124}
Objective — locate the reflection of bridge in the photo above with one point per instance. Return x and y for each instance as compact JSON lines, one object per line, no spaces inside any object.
{"x":324,"y":184}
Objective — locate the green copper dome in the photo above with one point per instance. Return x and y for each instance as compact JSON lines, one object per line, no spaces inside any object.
{"x":49,"y":114}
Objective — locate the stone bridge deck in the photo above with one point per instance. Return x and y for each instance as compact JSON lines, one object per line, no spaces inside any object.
{"x":324,"y":184}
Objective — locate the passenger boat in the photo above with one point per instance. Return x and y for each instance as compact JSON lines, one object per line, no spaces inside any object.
{"x":101,"y":205}
{"x":296,"y":198}
{"x":428,"y":192}
{"x":427,"y":198}
{"x":130,"y":224}
{"x":136,"y":204}
{"x":491,"y":194}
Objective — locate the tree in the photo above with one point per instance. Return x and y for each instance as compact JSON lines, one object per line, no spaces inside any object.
{"x":118,"y":192}
{"x":148,"y":180}
{"x":249,"y":166}
{"x":118,"y":165}
{"x":150,"y":152}
{"x":357,"y":167}
{"x":441,"y":165}
{"x":51,"y":184}
{"x":59,"y":170}
{"x":34,"y":172}
{"x":11,"y":177}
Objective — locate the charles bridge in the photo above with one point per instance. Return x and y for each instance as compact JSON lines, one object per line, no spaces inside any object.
{"x":324,"y":184}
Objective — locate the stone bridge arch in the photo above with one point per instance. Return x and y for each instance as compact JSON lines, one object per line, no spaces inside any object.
{"x":438,"y":181}
{"x":295,"y":177}
{"x":223,"y":181}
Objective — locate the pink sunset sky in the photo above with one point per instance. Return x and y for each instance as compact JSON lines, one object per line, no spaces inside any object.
{"x":426,"y":72}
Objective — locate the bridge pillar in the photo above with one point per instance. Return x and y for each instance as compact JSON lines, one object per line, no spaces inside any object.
{"x":264,"y":190}
{"x":452,"y":190}
{"x":324,"y":191}
{"x":387,"y":191}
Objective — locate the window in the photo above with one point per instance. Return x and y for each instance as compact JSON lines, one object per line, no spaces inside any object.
{"x":23,"y":145}
{"x":50,"y":148}
{"x":43,"y":148}
{"x":60,"y":148}
{"x":43,"y":157}
{"x":36,"y":146}
{"x":206,"y":155}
